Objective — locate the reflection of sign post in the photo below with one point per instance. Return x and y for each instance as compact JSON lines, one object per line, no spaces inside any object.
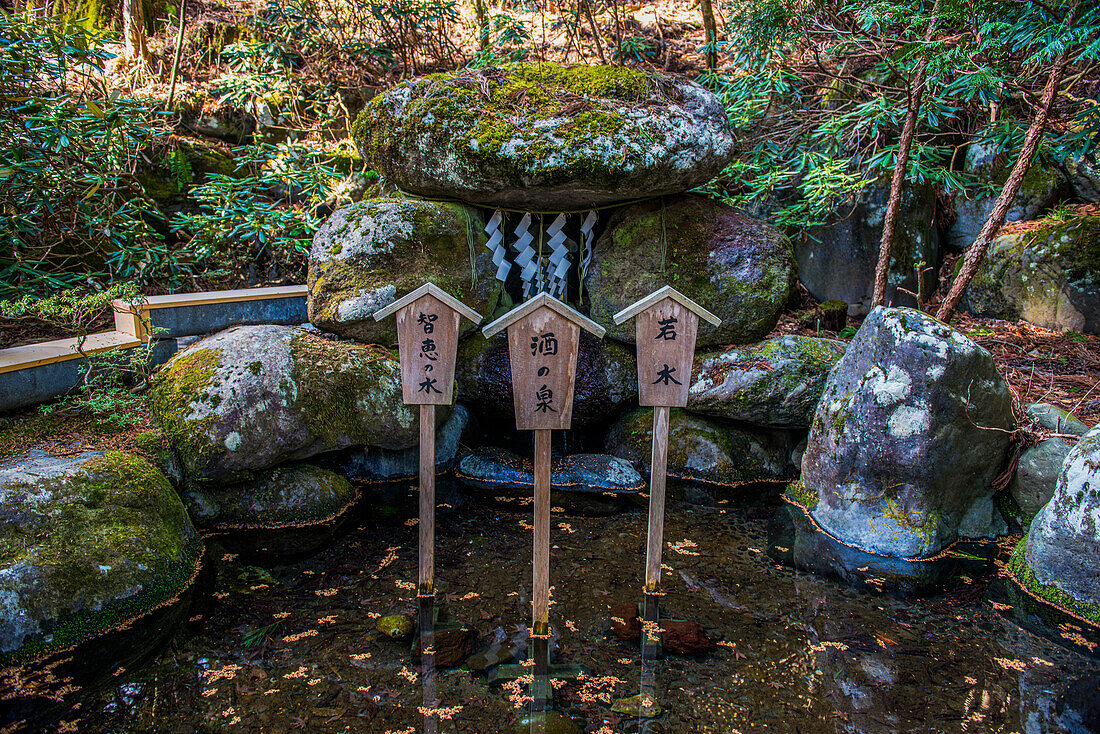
{"x":665,"y":325}
{"x":543,"y":340}
{"x":427,"y":343}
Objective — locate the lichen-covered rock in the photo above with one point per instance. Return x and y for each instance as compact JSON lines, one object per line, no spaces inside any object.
{"x":1042,"y":186}
{"x":1084,"y":179}
{"x":287,"y":510}
{"x":836,"y":260}
{"x":606,"y":383}
{"x":1037,"y":473}
{"x":1060,"y":557}
{"x":497,"y":469}
{"x":546,"y":136}
{"x":253,"y":397}
{"x":910,"y":431}
{"x":1047,"y":274}
{"x":702,"y":450}
{"x":773,"y":383}
{"x":88,"y":543}
{"x":384,"y":465}
{"x":366,"y":256}
{"x":737,"y":267}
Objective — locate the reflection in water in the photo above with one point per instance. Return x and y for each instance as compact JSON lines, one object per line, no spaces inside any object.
{"x":427,"y":664}
{"x":651,"y":650}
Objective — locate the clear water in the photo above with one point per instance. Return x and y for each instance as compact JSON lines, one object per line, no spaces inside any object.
{"x":295,"y":648}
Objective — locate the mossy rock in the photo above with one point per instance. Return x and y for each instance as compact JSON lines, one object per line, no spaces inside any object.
{"x":370,"y":253}
{"x":737,"y":267}
{"x":702,"y":450}
{"x":1060,"y":559}
{"x":286,"y":511}
{"x":1047,"y":274}
{"x":772,"y":383}
{"x":909,"y":433}
{"x":254,"y":397}
{"x":89,"y":544}
{"x":546,"y":137}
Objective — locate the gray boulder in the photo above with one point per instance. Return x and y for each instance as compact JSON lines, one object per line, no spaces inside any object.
{"x":737,"y":267}
{"x":837,"y":260}
{"x":88,"y":544}
{"x":253,"y":397}
{"x":1037,"y":473}
{"x":546,"y":136}
{"x":1047,"y":273}
{"x":1061,"y":558}
{"x":1042,"y":186}
{"x":774,"y":383}
{"x":385,"y":465}
{"x":1084,"y":179}
{"x":1053,"y":418}
{"x":701,"y":450}
{"x":366,"y":256}
{"x":910,"y":430}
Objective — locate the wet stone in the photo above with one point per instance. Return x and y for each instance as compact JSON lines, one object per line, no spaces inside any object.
{"x":452,"y":644}
{"x":625,"y":622}
{"x":396,"y":626}
{"x":683,"y":637}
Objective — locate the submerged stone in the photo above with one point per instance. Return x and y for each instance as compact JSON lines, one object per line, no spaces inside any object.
{"x":452,"y":644}
{"x":703,"y":450}
{"x":253,"y":397}
{"x":286,"y":511}
{"x":909,"y":433}
{"x":1047,"y":274}
{"x":497,"y":469}
{"x":773,"y":383}
{"x":396,"y":626}
{"x":637,"y":705}
{"x":737,"y":267}
{"x":546,"y":136}
{"x":90,"y":545}
{"x":366,"y":256}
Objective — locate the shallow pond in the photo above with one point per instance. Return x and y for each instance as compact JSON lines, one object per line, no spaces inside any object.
{"x":295,"y":647}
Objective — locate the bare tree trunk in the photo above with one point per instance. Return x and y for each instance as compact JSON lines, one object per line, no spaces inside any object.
{"x":133,"y":31}
{"x":176,"y":57}
{"x":482,"y":24}
{"x":595,"y":31}
{"x":974,"y":255}
{"x":908,"y":131}
{"x":711,"y":29}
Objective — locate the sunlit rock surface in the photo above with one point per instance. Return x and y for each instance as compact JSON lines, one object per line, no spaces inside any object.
{"x":1063,"y":546}
{"x":366,"y":256}
{"x":910,"y":431}
{"x":546,"y":136}
{"x":254,"y":397}
{"x":737,"y":267}
{"x":773,"y":383}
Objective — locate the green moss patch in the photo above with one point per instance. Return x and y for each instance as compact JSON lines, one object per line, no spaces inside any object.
{"x":174,"y":396}
{"x":1017,"y":565}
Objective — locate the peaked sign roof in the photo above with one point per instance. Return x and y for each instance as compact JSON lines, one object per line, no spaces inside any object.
{"x":543,"y":299}
{"x":428,"y":289}
{"x":659,"y":295}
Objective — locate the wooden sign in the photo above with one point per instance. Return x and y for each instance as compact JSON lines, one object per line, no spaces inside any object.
{"x":427,"y":345}
{"x":666,"y":324}
{"x":543,"y":342}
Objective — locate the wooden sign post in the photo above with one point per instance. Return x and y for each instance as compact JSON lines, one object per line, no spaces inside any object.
{"x":665,"y":325}
{"x":427,"y":344}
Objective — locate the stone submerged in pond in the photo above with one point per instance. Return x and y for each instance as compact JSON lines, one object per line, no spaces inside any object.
{"x":739,"y":268}
{"x":773,"y":383}
{"x":546,"y":136}
{"x":452,"y":644}
{"x":703,"y":450}
{"x":606,"y":383}
{"x":910,"y":431}
{"x":287,"y":511}
{"x":396,"y":626}
{"x":583,"y":482}
{"x":96,"y":553}
{"x":1047,"y":273}
{"x":366,"y":256}
{"x":253,"y":397}
{"x":1059,"y":560}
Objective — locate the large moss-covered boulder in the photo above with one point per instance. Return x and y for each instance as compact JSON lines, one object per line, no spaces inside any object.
{"x":837,"y":260}
{"x":88,"y":544}
{"x":253,"y":397}
{"x":910,"y":431}
{"x":772,"y":383}
{"x":545,"y":136}
{"x":1060,"y":557}
{"x":1042,"y":186}
{"x":1047,"y":273}
{"x":366,"y":256}
{"x":737,"y":267}
{"x":288,"y":510}
{"x":701,"y":450}
{"x":606,"y":383}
